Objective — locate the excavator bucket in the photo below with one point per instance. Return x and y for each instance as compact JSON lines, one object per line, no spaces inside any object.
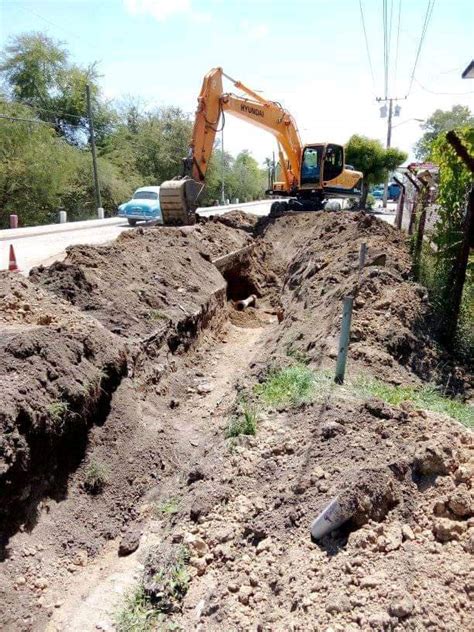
{"x":178,"y":201}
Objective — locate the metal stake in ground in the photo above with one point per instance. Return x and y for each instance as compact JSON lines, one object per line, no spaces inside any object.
{"x":344,"y":340}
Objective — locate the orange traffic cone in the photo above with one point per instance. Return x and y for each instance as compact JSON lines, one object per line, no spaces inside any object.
{"x":12,"y":264}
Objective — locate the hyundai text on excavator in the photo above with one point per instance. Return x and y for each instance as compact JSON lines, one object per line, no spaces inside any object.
{"x":311,"y":173}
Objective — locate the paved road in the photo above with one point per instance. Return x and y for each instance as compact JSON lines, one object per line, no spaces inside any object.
{"x":42,"y":245}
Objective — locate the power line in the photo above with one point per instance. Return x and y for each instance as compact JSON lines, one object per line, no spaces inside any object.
{"x":398,"y":39}
{"x":429,"y":11}
{"x":367,"y":44}
{"x":385,"y":46}
{"x":453,"y":94}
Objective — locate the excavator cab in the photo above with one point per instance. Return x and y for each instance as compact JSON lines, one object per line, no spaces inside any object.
{"x":320,"y":164}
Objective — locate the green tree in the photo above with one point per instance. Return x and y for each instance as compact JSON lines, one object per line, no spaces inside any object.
{"x":37,"y":72}
{"x":369,"y":156}
{"x":442,"y":121}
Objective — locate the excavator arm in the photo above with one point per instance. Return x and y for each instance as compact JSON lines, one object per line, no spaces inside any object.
{"x":178,"y":198}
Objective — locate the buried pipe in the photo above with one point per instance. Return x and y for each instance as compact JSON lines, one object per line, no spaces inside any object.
{"x":333,"y":516}
{"x":246,"y":302}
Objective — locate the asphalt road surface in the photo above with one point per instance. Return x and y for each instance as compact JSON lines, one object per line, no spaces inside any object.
{"x":42,"y":245}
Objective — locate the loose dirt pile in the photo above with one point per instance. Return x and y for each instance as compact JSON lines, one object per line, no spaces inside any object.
{"x":317,"y":259}
{"x":58,"y":370}
{"x":213,"y":525}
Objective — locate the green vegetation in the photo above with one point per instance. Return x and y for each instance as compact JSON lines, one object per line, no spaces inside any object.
{"x":45,"y":159}
{"x":244,"y":422}
{"x":144,"y":610}
{"x":425,"y":397}
{"x":168,"y":507}
{"x":58,"y":411}
{"x":96,"y":476}
{"x":369,"y":156}
{"x":137,"y":614}
{"x":157,"y":315}
{"x":440,"y":122}
{"x":290,"y":386}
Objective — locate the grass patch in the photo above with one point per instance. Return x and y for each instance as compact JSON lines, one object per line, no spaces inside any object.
{"x":168,"y":507}
{"x":137,"y":614}
{"x":156,"y":315}
{"x":58,"y":411}
{"x":293,"y":385}
{"x":96,"y":477}
{"x":244,"y":423}
{"x":426,"y":397}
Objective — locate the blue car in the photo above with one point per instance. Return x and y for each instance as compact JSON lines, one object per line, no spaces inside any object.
{"x":144,"y":206}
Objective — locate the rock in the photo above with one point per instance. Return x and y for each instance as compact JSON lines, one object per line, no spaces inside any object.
{"x":196,"y":544}
{"x":129,"y":542}
{"x":244,"y":595}
{"x":199,"y":563}
{"x":401,"y":606}
{"x":460,"y":502}
{"x":318,"y":473}
{"x":20,"y":581}
{"x":446,"y":530}
{"x":468,"y":545}
{"x":371,"y":581}
{"x":378,"y":260}
{"x":407,"y":532}
{"x":233,"y":588}
{"x":378,"y":408}
{"x":204,"y":388}
{"x":41,"y":583}
{"x":379,"y":620}
{"x":80,"y":558}
{"x":465,"y":473}
{"x":196,"y":474}
{"x":338,"y":603}
{"x":330,"y":429}
{"x":432,"y":459}
{"x":393,"y":537}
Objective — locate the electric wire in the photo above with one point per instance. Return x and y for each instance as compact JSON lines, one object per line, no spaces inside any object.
{"x":453,"y":94}
{"x":398,"y":40}
{"x":367,"y":43}
{"x":428,"y":14}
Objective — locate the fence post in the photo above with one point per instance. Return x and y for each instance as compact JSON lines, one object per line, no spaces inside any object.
{"x":401,"y":204}
{"x":344,"y":340}
{"x":62,"y":217}
{"x":418,"y":245}
{"x":100,"y":213}
{"x":13,"y":221}
{"x":415,"y":202}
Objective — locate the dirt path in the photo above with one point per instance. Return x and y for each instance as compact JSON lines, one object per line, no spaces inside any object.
{"x":97,"y":591}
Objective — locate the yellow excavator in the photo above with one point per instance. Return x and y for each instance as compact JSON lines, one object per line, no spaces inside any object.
{"x":311,"y":173}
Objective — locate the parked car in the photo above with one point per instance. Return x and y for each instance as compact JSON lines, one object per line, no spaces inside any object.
{"x":377,"y":193}
{"x":393,"y":192}
{"x":144,"y":206}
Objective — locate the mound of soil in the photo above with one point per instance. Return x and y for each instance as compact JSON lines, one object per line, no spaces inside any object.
{"x":58,"y":370}
{"x":316,"y":257}
{"x":147,"y":283}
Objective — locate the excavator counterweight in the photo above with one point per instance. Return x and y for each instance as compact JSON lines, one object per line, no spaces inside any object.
{"x":310,"y":174}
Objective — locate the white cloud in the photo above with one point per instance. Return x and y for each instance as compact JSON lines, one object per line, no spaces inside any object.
{"x":254,"y":31}
{"x":161,"y":10}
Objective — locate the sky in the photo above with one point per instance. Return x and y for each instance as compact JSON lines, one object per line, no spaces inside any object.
{"x":310,"y":55}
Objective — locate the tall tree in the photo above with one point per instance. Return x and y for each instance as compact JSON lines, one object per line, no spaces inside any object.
{"x":369,"y":156}
{"x":442,"y":121}
{"x":37,"y":72}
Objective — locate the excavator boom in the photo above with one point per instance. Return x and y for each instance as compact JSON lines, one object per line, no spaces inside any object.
{"x":178,"y":197}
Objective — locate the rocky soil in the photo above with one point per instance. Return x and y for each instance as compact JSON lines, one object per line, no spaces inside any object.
{"x":141,"y":341}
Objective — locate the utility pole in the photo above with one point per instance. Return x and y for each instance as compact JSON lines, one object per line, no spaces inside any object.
{"x":94,"y":157}
{"x":389,"y":133}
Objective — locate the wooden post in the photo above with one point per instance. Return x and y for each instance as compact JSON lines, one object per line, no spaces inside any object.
{"x":415,"y":202}
{"x":344,"y":340}
{"x":401,"y":204}
{"x":457,"y":275}
{"x":418,"y":245}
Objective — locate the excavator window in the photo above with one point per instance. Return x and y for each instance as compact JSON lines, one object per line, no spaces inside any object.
{"x":333,"y":162}
{"x":311,"y":165}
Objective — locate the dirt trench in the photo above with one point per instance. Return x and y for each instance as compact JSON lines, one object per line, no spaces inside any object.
{"x":242,"y":506}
